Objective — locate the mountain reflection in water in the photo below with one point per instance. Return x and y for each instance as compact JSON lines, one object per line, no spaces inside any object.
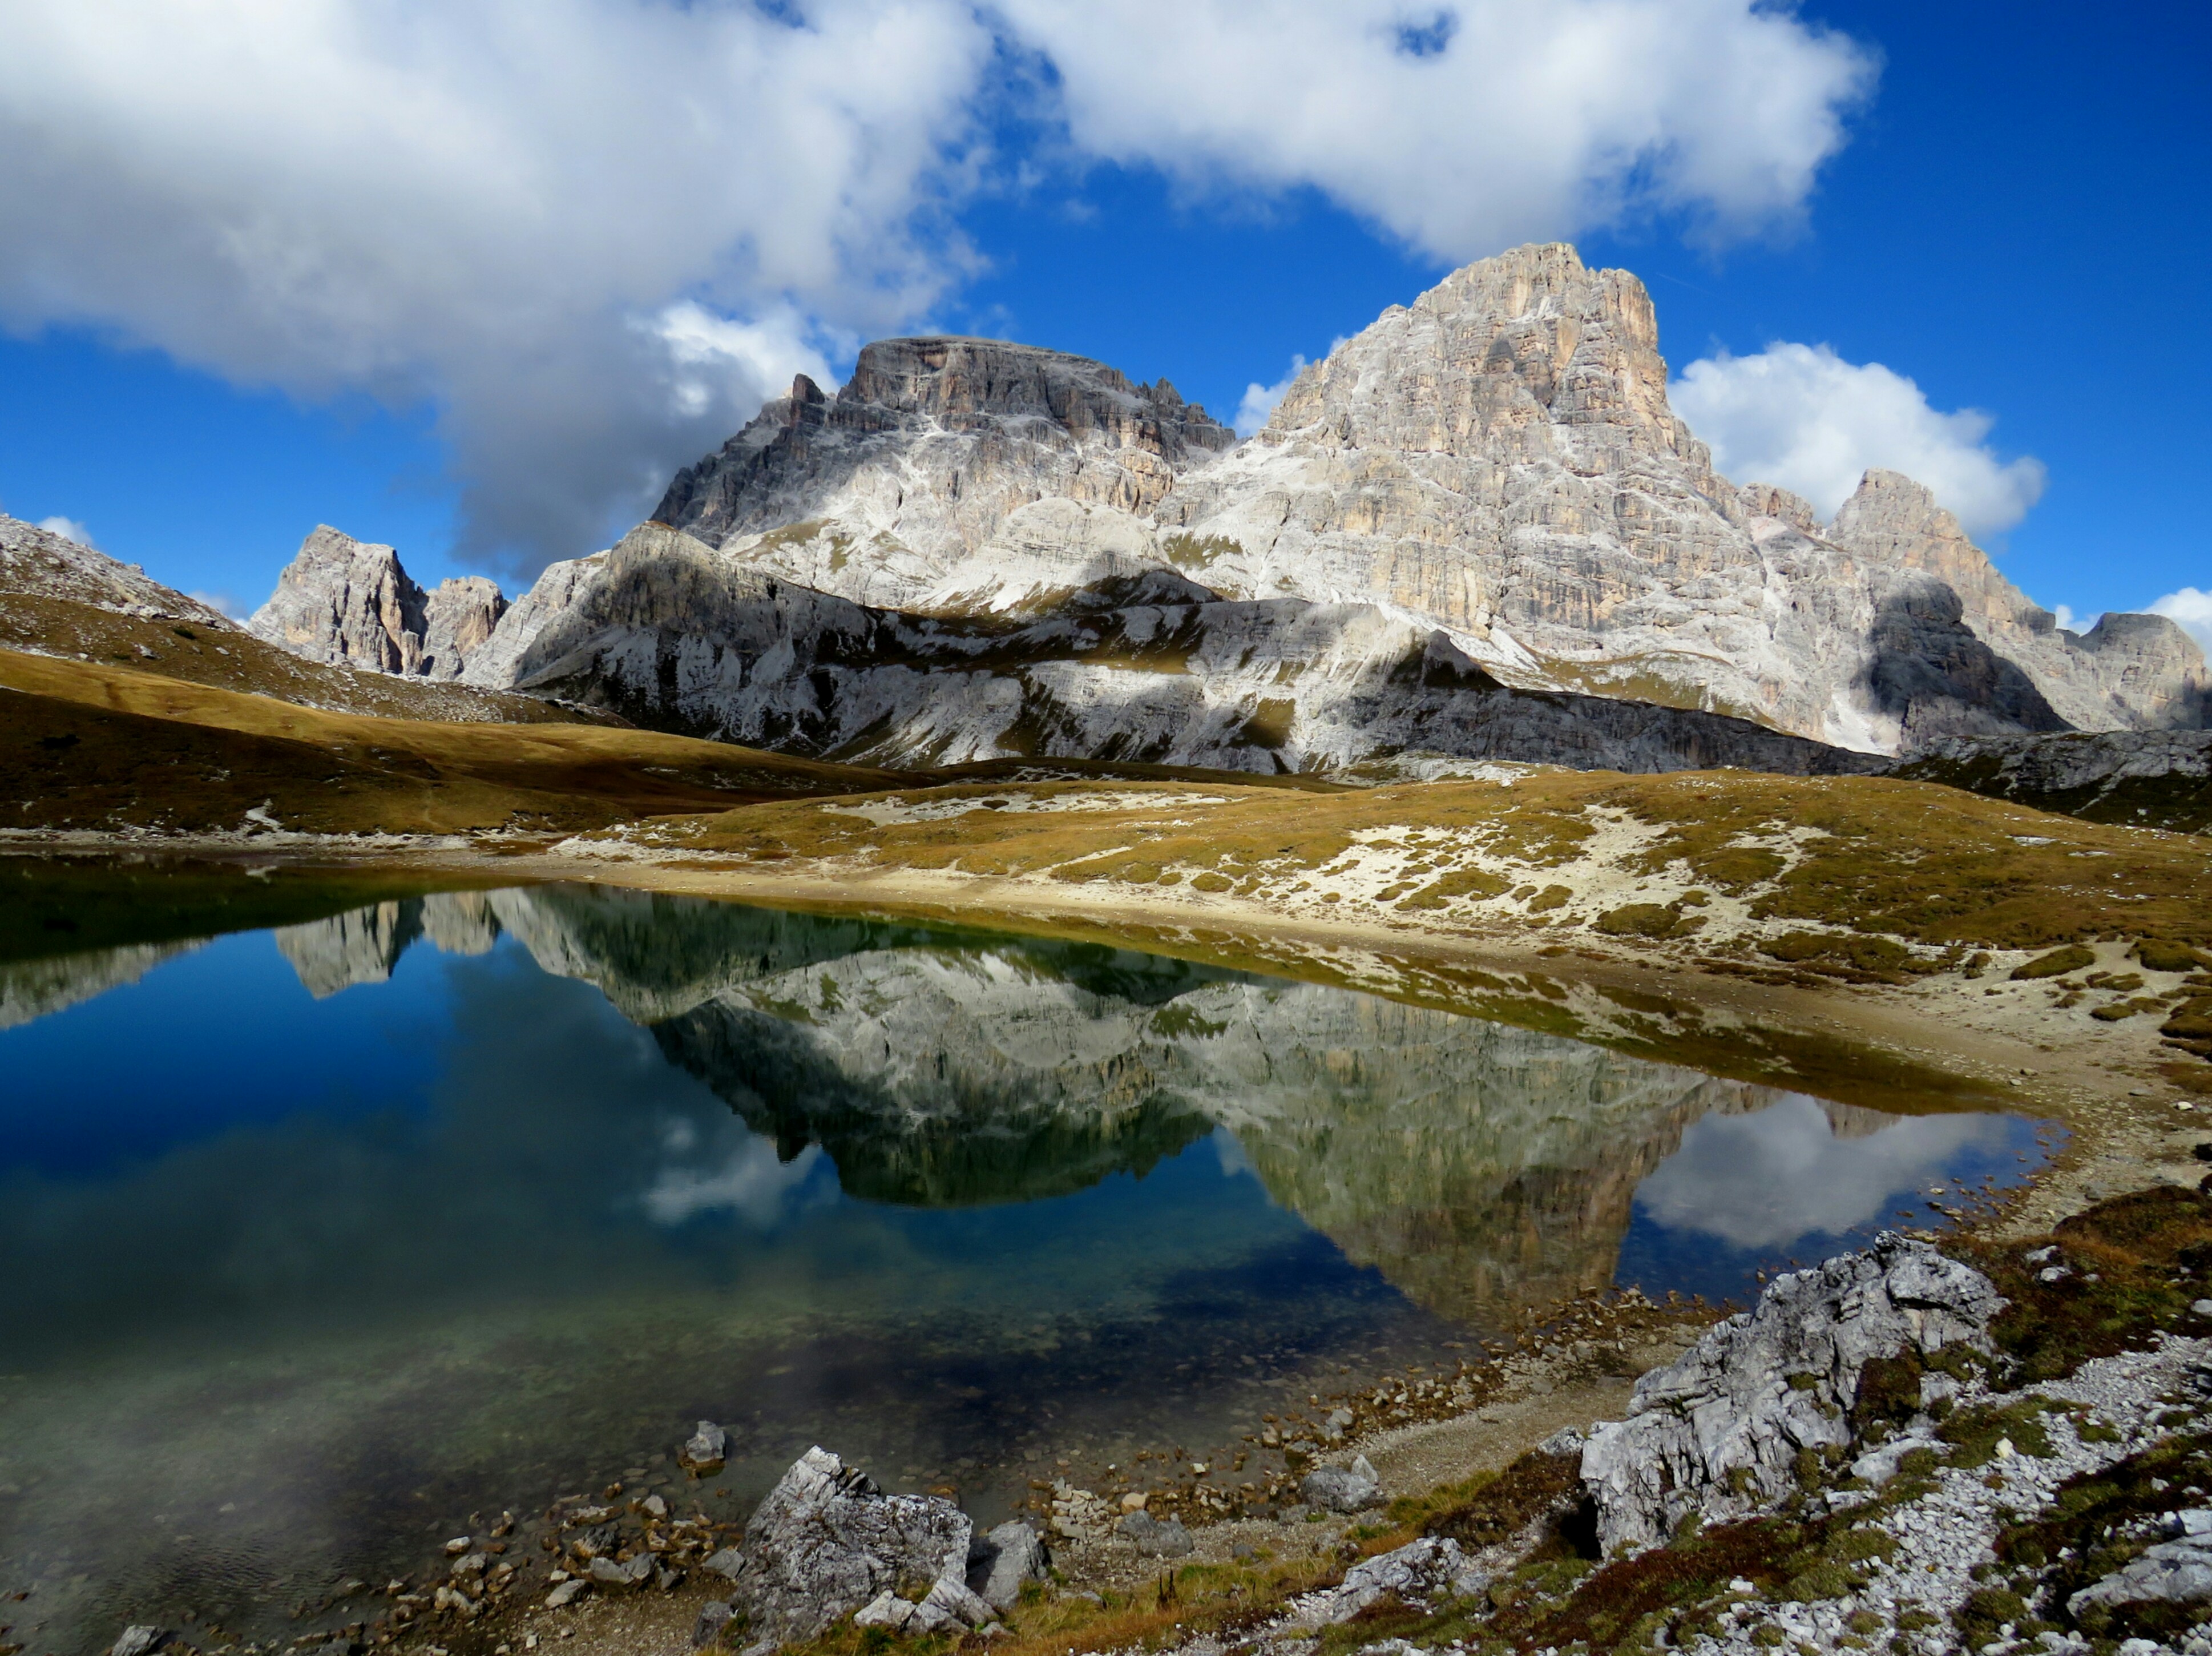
{"x":343,"y":1263}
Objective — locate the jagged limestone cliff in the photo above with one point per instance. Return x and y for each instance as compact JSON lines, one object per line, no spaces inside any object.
{"x":665,"y":631}
{"x":976,"y":549}
{"x":343,"y":600}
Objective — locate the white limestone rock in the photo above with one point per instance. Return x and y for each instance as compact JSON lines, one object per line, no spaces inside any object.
{"x":351,"y":602}
{"x":35,"y":563}
{"x":826,"y":1540}
{"x":1717,"y":1431}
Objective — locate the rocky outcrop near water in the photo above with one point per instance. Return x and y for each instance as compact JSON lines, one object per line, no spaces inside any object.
{"x":826,"y":1541}
{"x":2144,"y":778}
{"x":1720,"y":1432}
{"x":347,"y":601}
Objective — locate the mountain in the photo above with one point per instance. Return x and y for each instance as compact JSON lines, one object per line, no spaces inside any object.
{"x":59,"y":599}
{"x":347,"y":601}
{"x":1476,"y":531}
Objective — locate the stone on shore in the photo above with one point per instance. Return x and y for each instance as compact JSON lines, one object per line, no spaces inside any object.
{"x":1343,"y":1489}
{"x":999,"y":1561}
{"x":609,"y":1574}
{"x":1155,"y":1539}
{"x":1718,"y":1431}
{"x":826,"y":1540}
{"x":714,"y":1616}
{"x":1413,"y":1574}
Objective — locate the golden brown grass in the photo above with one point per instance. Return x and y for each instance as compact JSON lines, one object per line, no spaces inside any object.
{"x":231,"y":658}
{"x":95,"y":746}
{"x":1871,"y":855}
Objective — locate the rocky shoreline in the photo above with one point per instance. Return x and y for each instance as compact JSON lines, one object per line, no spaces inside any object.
{"x":1994,"y":1446}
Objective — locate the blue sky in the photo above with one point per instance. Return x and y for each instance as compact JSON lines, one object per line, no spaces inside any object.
{"x":2013,"y":217}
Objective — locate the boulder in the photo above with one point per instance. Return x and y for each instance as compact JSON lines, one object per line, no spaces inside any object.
{"x":714,"y":1616}
{"x":948,"y":1604}
{"x":566,"y":1593}
{"x":609,"y":1574}
{"x":1000,"y":1560}
{"x":1343,"y":1489}
{"x":2178,"y":1571}
{"x":1718,"y":1431}
{"x":1153,"y":1538}
{"x":1415,"y":1573}
{"x":142,"y":1641}
{"x":827,"y":1541}
{"x":705,"y":1452}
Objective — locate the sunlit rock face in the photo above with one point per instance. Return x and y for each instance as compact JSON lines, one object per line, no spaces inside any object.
{"x":351,"y":602}
{"x":881,"y":492}
{"x":1500,"y":457}
{"x":1491,"y":475}
{"x":671,"y":633}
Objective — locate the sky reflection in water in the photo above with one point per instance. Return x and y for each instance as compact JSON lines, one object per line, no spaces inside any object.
{"x":471,"y":1224}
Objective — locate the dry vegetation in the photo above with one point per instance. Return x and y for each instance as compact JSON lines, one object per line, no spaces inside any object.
{"x":1850,"y":877}
{"x":229,"y":658}
{"x":87,"y":746}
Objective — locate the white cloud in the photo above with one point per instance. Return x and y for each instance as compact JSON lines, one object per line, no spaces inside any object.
{"x":220,"y":603}
{"x":2193,"y":610}
{"x":1465,"y":128}
{"x":1802,"y":417}
{"x":1767,"y":1178}
{"x":490,"y":206}
{"x":750,"y":1183}
{"x":1259,"y":400}
{"x":68,"y":529}
{"x":593,"y":235}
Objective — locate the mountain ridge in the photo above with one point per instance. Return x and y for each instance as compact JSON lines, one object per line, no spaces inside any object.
{"x":1492,"y":476}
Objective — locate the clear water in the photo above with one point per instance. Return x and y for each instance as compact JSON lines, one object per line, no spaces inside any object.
{"x":314,"y":1242}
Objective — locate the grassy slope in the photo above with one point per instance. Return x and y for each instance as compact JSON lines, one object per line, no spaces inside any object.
{"x":231,"y":658}
{"x":92,"y":746}
{"x":1728,"y":860}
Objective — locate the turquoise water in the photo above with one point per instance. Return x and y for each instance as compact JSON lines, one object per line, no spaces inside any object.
{"x":314,"y":1242}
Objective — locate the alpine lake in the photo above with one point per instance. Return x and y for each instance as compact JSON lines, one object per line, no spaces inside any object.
{"x":318,"y":1238}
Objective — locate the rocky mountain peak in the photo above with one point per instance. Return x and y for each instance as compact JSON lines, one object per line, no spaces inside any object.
{"x":922,"y":455}
{"x":1526,"y":353}
{"x":352,"y":603}
{"x":36,"y":563}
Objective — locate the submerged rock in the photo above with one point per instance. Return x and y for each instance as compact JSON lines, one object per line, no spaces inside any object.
{"x":827,"y":1541}
{"x":705,"y":1452}
{"x":142,"y":1641}
{"x":1343,"y":1489}
{"x":1717,"y":1432}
